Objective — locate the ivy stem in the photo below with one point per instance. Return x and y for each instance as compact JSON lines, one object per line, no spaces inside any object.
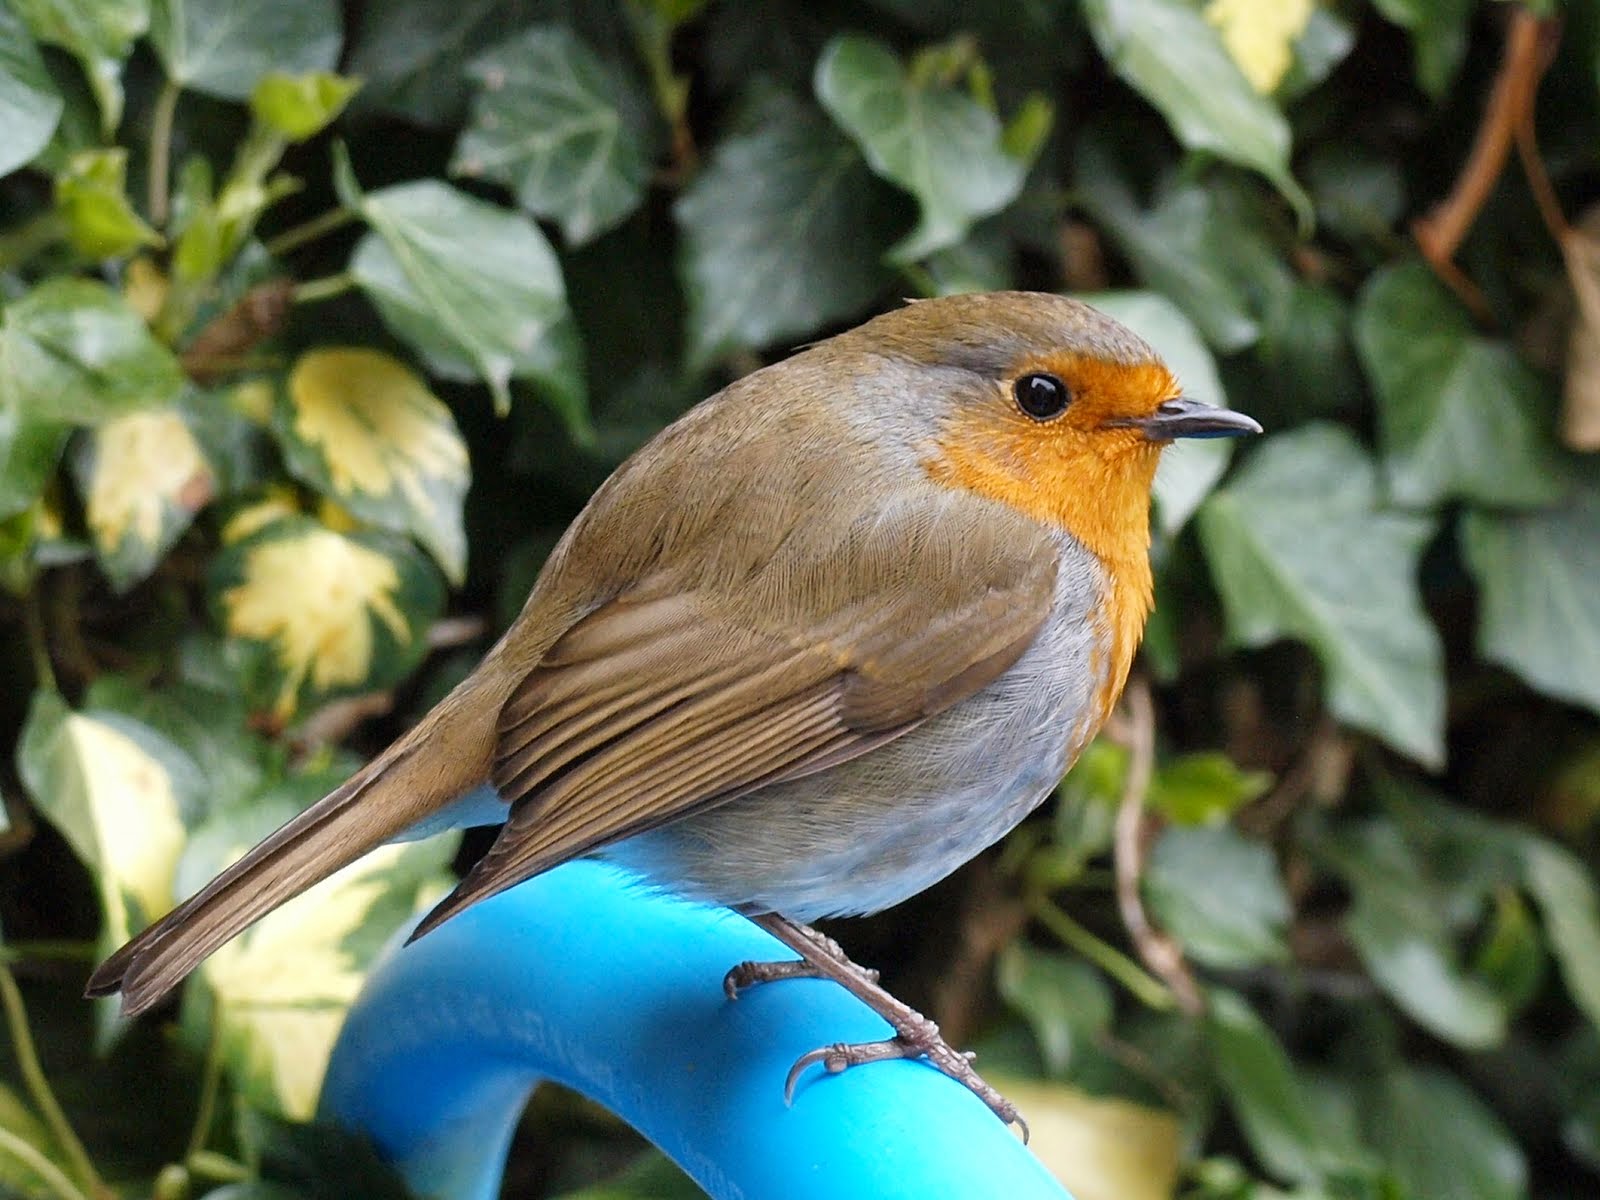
{"x":29,"y":1156}
{"x":38,"y":643}
{"x":325,"y":288}
{"x":210,"y":1082}
{"x":1145,"y":988}
{"x":38,"y":1086}
{"x":308,"y":231}
{"x":161,"y":118}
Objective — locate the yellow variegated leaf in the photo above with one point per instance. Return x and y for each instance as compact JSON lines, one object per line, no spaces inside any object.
{"x":1260,"y":36}
{"x":278,"y":502}
{"x":144,"y":287}
{"x":1100,"y":1148}
{"x":252,"y":400}
{"x":365,"y":430}
{"x":110,"y":785}
{"x":333,"y":612}
{"x":282,"y":989}
{"x":144,"y":477}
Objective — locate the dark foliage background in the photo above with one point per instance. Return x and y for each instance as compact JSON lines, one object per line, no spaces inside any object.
{"x":318,"y":323}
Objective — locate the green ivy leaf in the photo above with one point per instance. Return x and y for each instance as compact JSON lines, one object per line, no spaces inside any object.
{"x":72,"y":350}
{"x":29,"y":452}
{"x":99,"y":34}
{"x":1438,"y":31}
{"x":1438,"y":1139}
{"x":783,"y":232}
{"x":91,"y":194}
{"x":476,"y":289}
{"x":1065,"y":1000}
{"x":30,"y":106}
{"x":1539,"y":587}
{"x":1400,"y":926}
{"x":360,"y":427}
{"x":1190,"y":468}
{"x":378,"y":597}
{"x":1570,"y":905}
{"x":937,"y":143}
{"x":1171,"y":56}
{"x":300,"y":106}
{"x":222,"y":47}
{"x":143,"y":477}
{"x":1219,"y":894}
{"x":1260,"y":1085}
{"x":1200,"y":789}
{"x":1184,"y":247}
{"x":570,"y":134}
{"x":1299,"y":547}
{"x":1461,"y":416}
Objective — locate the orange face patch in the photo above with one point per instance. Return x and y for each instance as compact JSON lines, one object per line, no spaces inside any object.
{"x":1080,"y":472}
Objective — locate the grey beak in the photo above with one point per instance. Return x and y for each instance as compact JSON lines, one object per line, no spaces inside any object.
{"x":1186,"y":418}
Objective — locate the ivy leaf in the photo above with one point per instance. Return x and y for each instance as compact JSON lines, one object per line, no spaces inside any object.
{"x":1094,"y":1145}
{"x":377,"y":597}
{"x":72,"y":350}
{"x":1438,"y":1139}
{"x":117,"y":791}
{"x":1570,"y":905}
{"x":1220,"y":895}
{"x":1438,"y":31}
{"x":1065,"y":1000}
{"x":29,"y":452}
{"x":143,"y":478}
{"x":1539,"y":586}
{"x":280,"y":990}
{"x":1189,"y":468}
{"x":30,"y":106}
{"x":91,"y":194}
{"x":1299,"y":547}
{"x":1199,"y":789}
{"x":1167,"y":52}
{"x":783,"y":232}
{"x":476,"y":289}
{"x":937,"y":143}
{"x":300,"y":106}
{"x":1259,"y":1082}
{"x":1399,"y":925}
{"x":222,"y":47}
{"x":566,"y":131}
{"x":1260,"y":36}
{"x":358,"y":426}
{"x":1461,"y":416}
{"x":99,"y":34}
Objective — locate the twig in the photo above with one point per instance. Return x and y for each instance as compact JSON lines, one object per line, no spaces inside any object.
{"x":325,"y":288}
{"x":38,"y":1086}
{"x":308,"y":231}
{"x":210,"y":1083}
{"x":1529,"y":49}
{"x":1147,"y":990}
{"x":450,"y":632}
{"x":1156,"y":949}
{"x":338,"y":719}
{"x":44,"y":671}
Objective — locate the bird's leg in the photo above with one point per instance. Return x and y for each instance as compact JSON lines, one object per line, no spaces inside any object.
{"x":915,"y":1036}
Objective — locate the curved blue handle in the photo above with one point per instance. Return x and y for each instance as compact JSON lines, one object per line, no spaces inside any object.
{"x":581,"y":977}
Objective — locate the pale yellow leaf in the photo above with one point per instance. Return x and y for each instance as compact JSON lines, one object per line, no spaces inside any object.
{"x":1260,"y":36}
{"x":314,"y":596}
{"x":282,"y":989}
{"x":376,"y":423}
{"x":1100,"y":1148}
{"x":115,"y":803}
{"x":144,"y":463}
{"x":144,"y":287}
{"x":254,"y":517}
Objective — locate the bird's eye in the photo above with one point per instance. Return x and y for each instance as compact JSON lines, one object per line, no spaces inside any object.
{"x":1041,"y":396}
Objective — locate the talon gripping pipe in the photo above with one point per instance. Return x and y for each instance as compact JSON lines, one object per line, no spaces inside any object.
{"x":579,"y":976}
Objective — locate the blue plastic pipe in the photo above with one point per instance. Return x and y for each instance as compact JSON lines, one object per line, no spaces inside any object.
{"x":580,"y":977}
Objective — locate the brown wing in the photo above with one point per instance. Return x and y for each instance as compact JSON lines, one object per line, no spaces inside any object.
{"x":664,"y":702}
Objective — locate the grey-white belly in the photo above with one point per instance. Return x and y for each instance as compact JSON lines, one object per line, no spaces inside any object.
{"x":868,"y":833}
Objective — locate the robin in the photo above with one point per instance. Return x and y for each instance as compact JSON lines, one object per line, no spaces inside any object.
{"x":822,"y":640}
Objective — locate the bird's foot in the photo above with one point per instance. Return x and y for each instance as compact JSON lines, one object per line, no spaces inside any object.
{"x":915,"y":1035}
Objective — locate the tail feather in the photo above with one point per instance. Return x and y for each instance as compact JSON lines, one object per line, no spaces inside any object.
{"x":443,"y":757}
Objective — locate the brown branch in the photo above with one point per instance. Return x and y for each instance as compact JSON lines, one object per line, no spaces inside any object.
{"x":1158,"y":951}
{"x":1528,"y":51}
